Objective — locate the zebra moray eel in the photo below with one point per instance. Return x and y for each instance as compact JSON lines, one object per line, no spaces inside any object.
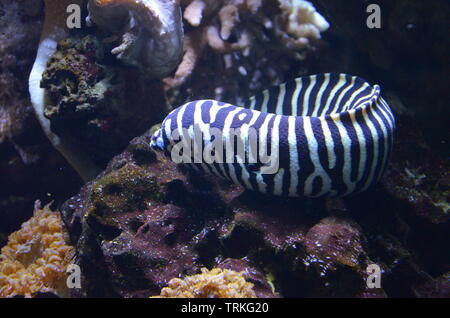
{"x":333,"y":134}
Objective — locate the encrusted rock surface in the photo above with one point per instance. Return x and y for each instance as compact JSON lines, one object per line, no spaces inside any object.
{"x":95,"y":104}
{"x":144,"y":221}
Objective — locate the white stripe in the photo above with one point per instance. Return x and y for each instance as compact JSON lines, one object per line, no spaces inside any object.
{"x":294,"y":100}
{"x":279,"y":108}
{"x":293,"y":157}
{"x":390,"y":119}
{"x":180,"y":118}
{"x":214,"y":110}
{"x":387,"y":113}
{"x":275,"y":149}
{"x":205,"y":127}
{"x":329,"y":143}
{"x":346,"y":143}
{"x":338,"y":86}
{"x":322,"y":89}
{"x":375,"y":138}
{"x":167,"y":124}
{"x":305,"y":105}
{"x":245,"y":133}
{"x":362,"y":144}
{"x":179,"y":123}
{"x":385,"y":139}
{"x":350,"y":101}
{"x":265,"y":101}
{"x":230,"y":155}
{"x":263,"y":132}
{"x":278,"y":182}
{"x":252,"y":102}
{"x":342,"y":94}
{"x":318,"y":172}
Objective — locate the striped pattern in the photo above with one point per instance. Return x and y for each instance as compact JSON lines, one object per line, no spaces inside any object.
{"x":331,"y":134}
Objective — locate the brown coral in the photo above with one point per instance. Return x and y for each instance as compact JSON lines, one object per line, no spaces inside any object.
{"x":35,"y":258}
{"x":216,"y":283}
{"x":251,"y":41}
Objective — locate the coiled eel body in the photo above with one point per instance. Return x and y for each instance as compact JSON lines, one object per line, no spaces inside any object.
{"x":331,"y":134}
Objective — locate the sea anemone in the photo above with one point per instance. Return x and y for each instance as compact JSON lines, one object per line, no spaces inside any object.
{"x":36,"y":256}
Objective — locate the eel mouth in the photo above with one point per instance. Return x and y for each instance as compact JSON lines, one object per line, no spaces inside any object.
{"x":156,"y":141}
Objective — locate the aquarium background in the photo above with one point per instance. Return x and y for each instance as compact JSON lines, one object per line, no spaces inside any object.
{"x":143,"y":221}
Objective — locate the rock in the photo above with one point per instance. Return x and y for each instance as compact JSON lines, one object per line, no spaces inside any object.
{"x":335,"y":251}
{"x":145,"y":220}
{"x":261,"y":285}
{"x":97,"y":105}
{"x":437,"y":288}
{"x":422,"y":185}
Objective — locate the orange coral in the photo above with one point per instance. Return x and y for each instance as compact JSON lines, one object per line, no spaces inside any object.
{"x":36,"y":256}
{"x":217,"y":283}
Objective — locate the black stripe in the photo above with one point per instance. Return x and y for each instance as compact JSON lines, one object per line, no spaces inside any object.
{"x":379,"y":158}
{"x":317,"y":186}
{"x":259,"y":98}
{"x":268,"y":178}
{"x":336,"y":173}
{"x":205,"y":110}
{"x":369,"y":149}
{"x":312,"y":103}
{"x":304,"y":156}
{"x":284,"y":155}
{"x":316,"y":125}
{"x":355,"y":151}
{"x":335,"y":98}
{"x":273,"y":93}
{"x":388,"y":139}
{"x":346,"y":96}
{"x":287,"y":102}
{"x":304,"y":82}
{"x":188,"y":116}
{"x":334,"y":80}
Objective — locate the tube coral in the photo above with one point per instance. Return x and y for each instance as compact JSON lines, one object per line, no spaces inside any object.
{"x":35,"y":258}
{"x":216,"y":283}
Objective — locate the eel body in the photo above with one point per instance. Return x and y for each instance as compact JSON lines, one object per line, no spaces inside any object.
{"x":325,"y":135}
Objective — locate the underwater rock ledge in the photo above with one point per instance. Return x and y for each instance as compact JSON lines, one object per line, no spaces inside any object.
{"x":144,"y":221}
